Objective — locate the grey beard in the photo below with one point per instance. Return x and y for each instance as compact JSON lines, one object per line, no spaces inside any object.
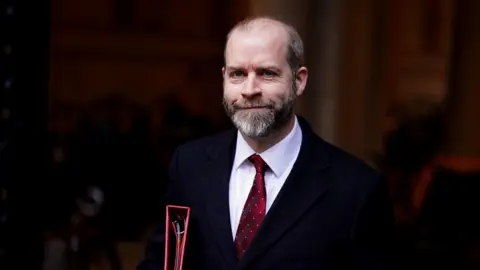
{"x":254,"y":124}
{"x":260,"y":124}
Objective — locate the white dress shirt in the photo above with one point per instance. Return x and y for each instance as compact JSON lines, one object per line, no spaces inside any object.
{"x":279,"y":158}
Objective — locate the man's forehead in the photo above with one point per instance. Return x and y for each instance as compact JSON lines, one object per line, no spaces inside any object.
{"x":258,"y":45}
{"x":236,"y":58}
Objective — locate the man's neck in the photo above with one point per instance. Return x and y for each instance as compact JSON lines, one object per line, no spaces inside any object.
{"x":259,"y":145}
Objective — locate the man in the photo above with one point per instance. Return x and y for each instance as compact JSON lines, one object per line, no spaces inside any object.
{"x":271,"y":194}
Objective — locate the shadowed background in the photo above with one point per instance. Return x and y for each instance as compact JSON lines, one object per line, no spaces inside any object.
{"x":97,"y":94}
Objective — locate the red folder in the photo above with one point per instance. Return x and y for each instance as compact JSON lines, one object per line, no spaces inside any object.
{"x":176,"y":228}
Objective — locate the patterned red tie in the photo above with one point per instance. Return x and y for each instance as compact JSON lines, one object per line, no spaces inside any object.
{"x":254,"y":209}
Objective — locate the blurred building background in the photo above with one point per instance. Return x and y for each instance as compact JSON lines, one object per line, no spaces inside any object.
{"x":393,"y":82}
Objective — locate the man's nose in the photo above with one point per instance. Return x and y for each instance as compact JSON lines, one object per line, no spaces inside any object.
{"x":251,"y":87}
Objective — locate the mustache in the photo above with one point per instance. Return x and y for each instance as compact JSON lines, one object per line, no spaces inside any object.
{"x":250,"y":104}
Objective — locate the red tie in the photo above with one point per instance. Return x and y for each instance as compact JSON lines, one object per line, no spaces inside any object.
{"x":254,"y":209}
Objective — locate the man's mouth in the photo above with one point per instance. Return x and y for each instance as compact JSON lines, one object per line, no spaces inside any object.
{"x":255,"y":107}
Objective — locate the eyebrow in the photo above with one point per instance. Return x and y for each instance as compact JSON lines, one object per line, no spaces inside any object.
{"x":230,"y":68}
{"x":273,"y":68}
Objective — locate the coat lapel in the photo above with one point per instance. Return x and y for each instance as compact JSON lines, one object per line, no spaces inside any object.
{"x":306,"y":183}
{"x":218,"y":171}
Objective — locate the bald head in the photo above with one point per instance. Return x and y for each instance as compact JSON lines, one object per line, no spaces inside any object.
{"x":263,"y":25}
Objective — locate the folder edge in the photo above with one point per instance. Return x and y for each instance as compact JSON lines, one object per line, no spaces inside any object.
{"x":167,"y":233}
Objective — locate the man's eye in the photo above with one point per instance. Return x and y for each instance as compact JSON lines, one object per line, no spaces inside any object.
{"x":267,"y":73}
{"x":236,"y":73}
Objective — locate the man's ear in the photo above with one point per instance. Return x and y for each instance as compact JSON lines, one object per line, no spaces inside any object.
{"x":301,"y":80}
{"x":223,"y":71}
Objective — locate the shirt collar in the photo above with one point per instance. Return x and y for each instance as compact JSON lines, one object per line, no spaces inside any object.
{"x":278,"y":156}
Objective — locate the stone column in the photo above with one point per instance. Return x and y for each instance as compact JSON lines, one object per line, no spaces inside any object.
{"x":323,"y":50}
{"x":464,"y":93}
{"x":356,"y":101}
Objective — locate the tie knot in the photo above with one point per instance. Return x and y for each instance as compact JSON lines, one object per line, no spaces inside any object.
{"x":258,"y":162}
